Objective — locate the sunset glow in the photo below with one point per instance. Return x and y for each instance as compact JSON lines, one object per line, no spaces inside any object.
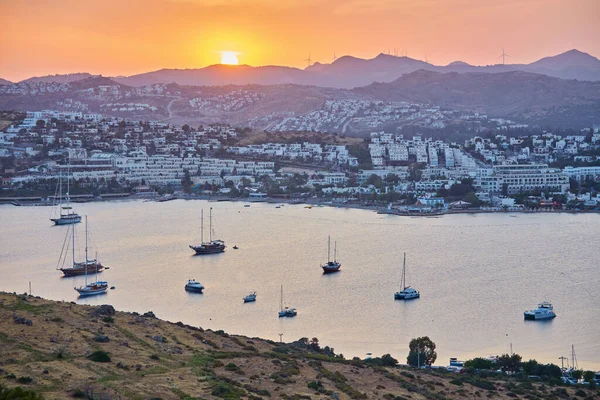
{"x":147,"y":35}
{"x":229,"y":58}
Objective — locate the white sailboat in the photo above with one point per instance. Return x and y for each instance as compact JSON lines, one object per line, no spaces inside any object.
{"x":66,"y":214}
{"x":406,"y":293}
{"x":285,"y":311}
{"x":97,"y":287}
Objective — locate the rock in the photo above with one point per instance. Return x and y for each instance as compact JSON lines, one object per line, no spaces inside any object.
{"x":104,"y":309}
{"x":46,"y":372}
{"x":21,"y":320}
{"x":124,"y":344}
{"x":101,"y":338}
{"x":149,"y":314}
{"x":159,"y":339}
{"x":122,"y":365}
{"x":138,"y":367}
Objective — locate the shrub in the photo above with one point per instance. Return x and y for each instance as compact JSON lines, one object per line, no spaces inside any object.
{"x":18,"y":393}
{"x":154,"y":357}
{"x":25,"y":379}
{"x":99,"y":356}
{"x":108,"y":320}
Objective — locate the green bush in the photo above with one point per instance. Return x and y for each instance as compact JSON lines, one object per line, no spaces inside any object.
{"x":25,"y":379}
{"x":108,"y":320}
{"x":18,"y":393}
{"x":99,"y":356}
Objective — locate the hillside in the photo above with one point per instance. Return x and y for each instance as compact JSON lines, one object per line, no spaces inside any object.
{"x":59,"y":78}
{"x":67,"y":350}
{"x":523,"y":96}
{"x":5,"y":82}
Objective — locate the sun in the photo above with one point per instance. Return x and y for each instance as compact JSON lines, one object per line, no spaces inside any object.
{"x":229,"y":58}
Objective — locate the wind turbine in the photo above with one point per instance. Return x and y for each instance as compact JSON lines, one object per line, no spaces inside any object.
{"x":334,"y":57}
{"x":503,"y":55}
{"x":308,"y":60}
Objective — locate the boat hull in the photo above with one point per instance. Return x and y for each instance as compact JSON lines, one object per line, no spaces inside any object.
{"x":93,"y":289}
{"x":398,"y":296}
{"x":533,"y":317}
{"x":66,"y":221}
{"x":249,"y":300}
{"x":193,"y":289}
{"x":330,"y":270}
{"x":288,"y":315}
{"x":202,"y":250}
{"x":91,"y":269}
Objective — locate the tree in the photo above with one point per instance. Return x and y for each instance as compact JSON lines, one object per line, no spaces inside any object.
{"x":186,"y":182}
{"x":588,"y":376}
{"x":509,"y":363}
{"x":422,"y":352}
{"x":479,"y":363}
{"x":40,"y":123}
{"x":388,"y":361}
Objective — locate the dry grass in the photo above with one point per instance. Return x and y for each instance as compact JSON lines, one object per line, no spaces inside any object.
{"x":151,"y":358}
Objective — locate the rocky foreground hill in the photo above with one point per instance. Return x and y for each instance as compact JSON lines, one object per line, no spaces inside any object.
{"x":63,"y":350}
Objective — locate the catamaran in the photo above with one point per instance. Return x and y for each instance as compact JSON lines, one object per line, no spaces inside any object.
{"x":66,"y":214}
{"x":331,"y":266}
{"x":212,"y":246}
{"x":406,"y":293}
{"x":285,"y":311}
{"x":91,"y":289}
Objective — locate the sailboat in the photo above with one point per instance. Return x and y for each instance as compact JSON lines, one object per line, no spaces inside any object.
{"x":66,"y":214}
{"x":91,"y":289}
{"x":285,"y":311}
{"x":331,"y":266}
{"x":212,"y":246}
{"x":406,"y":293}
{"x":81,"y":268}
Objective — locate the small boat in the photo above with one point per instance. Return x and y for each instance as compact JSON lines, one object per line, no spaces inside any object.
{"x":407,"y":293}
{"x":285,"y":311}
{"x":309,"y":207}
{"x":94,"y":288}
{"x":250,"y":298}
{"x":212,"y":246}
{"x":246,"y":205}
{"x":544,"y":311}
{"x":235,"y":247}
{"x":194,"y":286}
{"x":277,"y":206}
{"x":331,"y":266}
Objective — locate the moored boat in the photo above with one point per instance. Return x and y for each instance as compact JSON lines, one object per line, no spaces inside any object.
{"x":212,"y":246}
{"x":96,"y":287}
{"x":545,"y":310}
{"x":66,"y":214}
{"x":407,"y":292}
{"x":194,"y":286}
{"x":285,"y":311}
{"x":331,"y":266}
{"x":250,"y":298}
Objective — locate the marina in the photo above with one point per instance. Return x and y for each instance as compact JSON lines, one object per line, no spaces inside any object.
{"x":465,"y":263}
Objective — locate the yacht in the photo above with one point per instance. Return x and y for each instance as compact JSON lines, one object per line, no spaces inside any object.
{"x":66,"y":214}
{"x":194,"y":286}
{"x":406,"y":293}
{"x":212,"y":246}
{"x":331,"y":266}
{"x":285,"y":311}
{"x":250,"y":298}
{"x":544,"y":311}
{"x":94,"y":288}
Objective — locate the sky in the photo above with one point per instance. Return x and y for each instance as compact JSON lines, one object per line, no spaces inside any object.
{"x":126,"y":37}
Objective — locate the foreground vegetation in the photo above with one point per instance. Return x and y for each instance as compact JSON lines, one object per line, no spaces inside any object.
{"x":58,"y":350}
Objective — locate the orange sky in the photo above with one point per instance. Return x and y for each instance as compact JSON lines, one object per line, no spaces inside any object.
{"x":124,"y":37}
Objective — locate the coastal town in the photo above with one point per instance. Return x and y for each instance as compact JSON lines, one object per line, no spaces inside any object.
{"x":108,"y":157}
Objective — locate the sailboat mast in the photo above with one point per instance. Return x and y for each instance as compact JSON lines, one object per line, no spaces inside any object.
{"x":404,"y":273}
{"x":328,"y":248}
{"x":281,"y":299}
{"x":210,"y":224}
{"x":68,"y":186}
{"x":202,"y":226}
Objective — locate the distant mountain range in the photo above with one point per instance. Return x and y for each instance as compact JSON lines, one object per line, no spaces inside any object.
{"x":5,"y":82}
{"x":346,"y":72}
{"x":523,"y":96}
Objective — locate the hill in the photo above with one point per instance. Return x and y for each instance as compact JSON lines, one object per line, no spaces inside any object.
{"x":5,"y":82}
{"x":520,"y":95}
{"x":59,"y":78}
{"x":64,"y":350}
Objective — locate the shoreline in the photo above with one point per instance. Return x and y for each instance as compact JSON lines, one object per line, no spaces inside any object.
{"x":36,"y":201}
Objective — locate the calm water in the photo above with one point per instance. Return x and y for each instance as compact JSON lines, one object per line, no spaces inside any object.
{"x":476,"y":273}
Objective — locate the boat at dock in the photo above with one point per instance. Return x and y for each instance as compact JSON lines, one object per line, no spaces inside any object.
{"x":331,"y":266}
{"x":407,"y":292}
{"x":285,"y":311}
{"x":212,"y":246}
{"x":97,"y":287}
{"x":545,"y":310}
{"x":194,"y":286}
